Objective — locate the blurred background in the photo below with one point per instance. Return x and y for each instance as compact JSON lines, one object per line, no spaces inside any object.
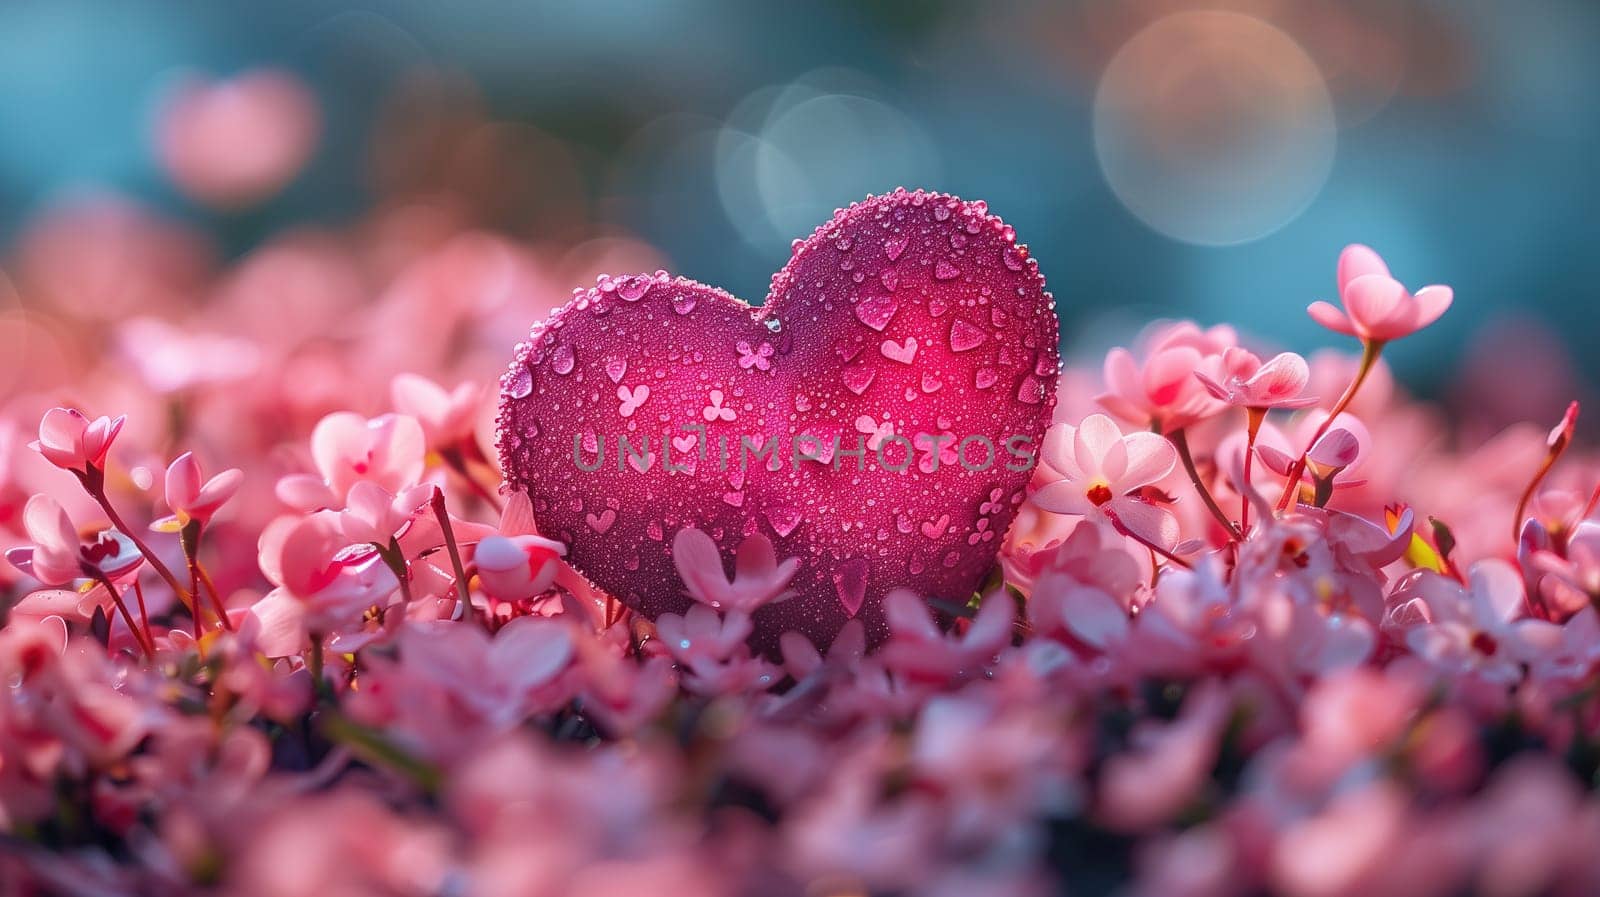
{"x":1161,"y":158}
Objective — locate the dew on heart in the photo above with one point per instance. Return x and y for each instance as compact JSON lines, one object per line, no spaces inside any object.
{"x":721,"y":370}
{"x":964,"y":336}
{"x":521,"y":384}
{"x":563,"y":359}
{"x":877,"y":312}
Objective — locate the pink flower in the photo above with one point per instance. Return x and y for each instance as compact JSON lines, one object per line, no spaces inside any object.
{"x":1248,"y":383}
{"x":389,"y":450}
{"x":236,"y":142}
{"x":711,"y":650}
{"x":447,"y":417}
{"x":1377,"y":308}
{"x":1161,"y":391}
{"x":1480,"y":629}
{"x":71,"y":441}
{"x":1083,"y":589}
{"x":58,"y":555}
{"x":1101,"y":469}
{"x":323,"y":584}
{"x":758,"y":578}
{"x":513,"y":568}
{"x":373,"y":516}
{"x":917,"y":648}
{"x":189,"y":498}
{"x":53,"y":559}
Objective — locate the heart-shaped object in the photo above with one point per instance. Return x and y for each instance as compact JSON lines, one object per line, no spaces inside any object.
{"x":912,"y":327}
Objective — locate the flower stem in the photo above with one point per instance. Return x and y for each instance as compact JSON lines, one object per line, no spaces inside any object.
{"x":1370,"y":350}
{"x":212,"y":593}
{"x":1559,"y":440}
{"x":116,"y":598}
{"x":94,"y":484}
{"x":144,"y":614}
{"x":463,"y":598}
{"x":1180,"y":439}
{"x":1253,"y":419}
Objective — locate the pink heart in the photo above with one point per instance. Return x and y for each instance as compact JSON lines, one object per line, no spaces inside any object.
{"x":960,"y":339}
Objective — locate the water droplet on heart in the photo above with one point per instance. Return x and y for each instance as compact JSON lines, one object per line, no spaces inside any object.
{"x":633,"y":288}
{"x":964,"y":336}
{"x":958,"y":240}
{"x":986,"y":378}
{"x":952,"y":558}
{"x":783,"y":519}
{"x":842,"y":244}
{"x":931,"y":382}
{"x":1015,"y":257}
{"x":858,"y":378}
{"x":915,"y":566}
{"x":1031,"y":391}
{"x":894,"y":246}
{"x":941,"y":213}
{"x":889,"y":279}
{"x":615,"y":368}
{"x":563,"y":359}
{"x":683,"y":304}
{"x":937,"y":307}
{"x":1046,"y":366}
{"x":944,"y":269}
{"x":998,"y":316}
{"x":877,"y":311}
{"x":850,"y":582}
{"x":904,"y":523}
{"x":521,"y":383}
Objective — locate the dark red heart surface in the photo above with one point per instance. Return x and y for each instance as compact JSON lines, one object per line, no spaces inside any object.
{"x":911,"y":325}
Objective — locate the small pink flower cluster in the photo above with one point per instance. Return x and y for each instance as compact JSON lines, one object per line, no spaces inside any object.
{"x":1290,"y":651}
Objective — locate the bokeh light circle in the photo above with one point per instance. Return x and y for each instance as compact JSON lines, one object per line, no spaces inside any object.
{"x":791,"y":154}
{"x":1214,"y":127}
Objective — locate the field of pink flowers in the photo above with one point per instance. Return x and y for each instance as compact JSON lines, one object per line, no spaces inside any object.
{"x":272,"y":626}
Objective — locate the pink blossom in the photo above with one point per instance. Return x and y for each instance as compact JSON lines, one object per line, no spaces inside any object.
{"x":191,"y":499}
{"x":1478,"y":629}
{"x":712,"y":653}
{"x":1084,"y":589}
{"x":1161,"y":390}
{"x":53,"y":559}
{"x":59,"y":556}
{"x":1102,"y":469}
{"x":512,"y":568}
{"x":758,"y":578}
{"x":347,"y":448}
{"x":447,"y":417}
{"x":1247,"y":382}
{"x":323,"y":586}
{"x":1377,"y":308}
{"x":71,"y":441}
{"x":918,"y":649}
